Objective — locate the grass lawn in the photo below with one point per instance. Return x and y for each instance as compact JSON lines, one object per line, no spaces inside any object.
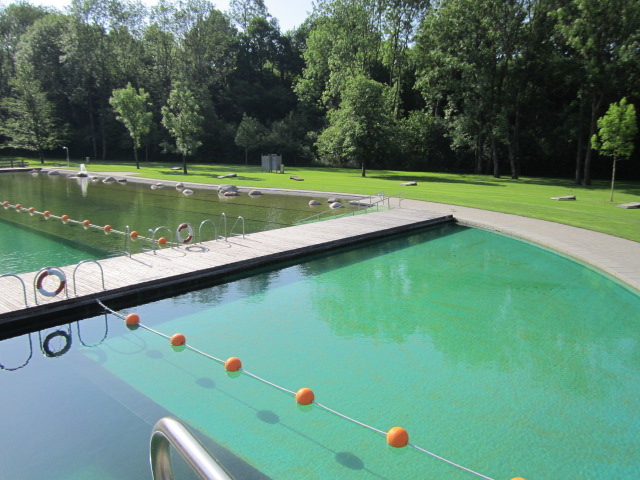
{"x":527,"y":196}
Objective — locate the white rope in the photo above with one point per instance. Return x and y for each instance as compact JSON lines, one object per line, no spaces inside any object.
{"x":335,"y":412}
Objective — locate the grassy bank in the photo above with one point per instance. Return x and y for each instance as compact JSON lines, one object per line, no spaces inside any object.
{"x":529,"y":197}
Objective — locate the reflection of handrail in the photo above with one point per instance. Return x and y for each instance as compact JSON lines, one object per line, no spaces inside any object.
{"x":12,"y":369}
{"x":24,"y":288}
{"x":170,"y":431}
{"x":215,"y":229}
{"x":223,"y":217}
{"x":234,"y":226}
{"x":106,"y":332}
{"x":76,"y":268}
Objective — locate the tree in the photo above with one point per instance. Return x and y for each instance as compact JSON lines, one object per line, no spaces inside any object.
{"x":181,"y":118}
{"x":616,"y":131}
{"x":359,"y":131}
{"x":243,"y":11}
{"x":131,"y":108}
{"x":30,"y":121}
{"x":249,"y":134}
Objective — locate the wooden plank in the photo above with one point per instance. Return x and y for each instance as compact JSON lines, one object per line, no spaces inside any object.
{"x":147,"y":272}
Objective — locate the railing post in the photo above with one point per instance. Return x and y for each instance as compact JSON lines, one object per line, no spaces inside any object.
{"x":170,"y":431}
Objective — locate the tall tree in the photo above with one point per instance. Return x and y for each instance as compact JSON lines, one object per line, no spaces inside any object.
{"x":359,"y":131}
{"x":243,"y":11}
{"x":249,"y":135}
{"x":181,"y":118}
{"x":30,"y":122}
{"x":603,"y":36}
{"x":132,"y":110}
{"x":617,"y":130}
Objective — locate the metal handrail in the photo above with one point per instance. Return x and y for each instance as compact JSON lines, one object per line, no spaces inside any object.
{"x":215,"y":230}
{"x":24,"y":288}
{"x":234,"y":226}
{"x":75,"y":292}
{"x":170,"y":431}
{"x":153,"y":233}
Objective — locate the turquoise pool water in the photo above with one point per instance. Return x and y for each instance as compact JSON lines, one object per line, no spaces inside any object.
{"x":497,"y":355}
{"x":24,"y":250}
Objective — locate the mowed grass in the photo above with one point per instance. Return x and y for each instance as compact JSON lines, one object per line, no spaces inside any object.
{"x":530,"y":197}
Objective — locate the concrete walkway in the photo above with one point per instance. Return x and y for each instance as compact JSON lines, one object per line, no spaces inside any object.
{"x":615,"y":256}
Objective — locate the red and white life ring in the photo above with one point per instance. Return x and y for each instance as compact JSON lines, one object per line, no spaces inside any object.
{"x":44,"y":273}
{"x":179,"y":236}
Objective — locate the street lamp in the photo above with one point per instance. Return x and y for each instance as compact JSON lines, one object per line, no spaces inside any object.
{"x":67,"y":149}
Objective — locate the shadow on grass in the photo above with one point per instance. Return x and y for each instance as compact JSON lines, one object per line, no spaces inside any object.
{"x":427,"y":179}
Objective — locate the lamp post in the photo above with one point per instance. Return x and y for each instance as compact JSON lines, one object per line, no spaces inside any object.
{"x":67,"y":149}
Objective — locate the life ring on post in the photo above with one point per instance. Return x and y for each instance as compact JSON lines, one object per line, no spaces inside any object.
{"x":48,"y":351}
{"x":179,"y":236}
{"x":44,"y":273}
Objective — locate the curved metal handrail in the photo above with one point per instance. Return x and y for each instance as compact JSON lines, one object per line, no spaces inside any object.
{"x":153,"y":240}
{"x":13,"y":369}
{"x":24,"y":288}
{"x":234,"y":226}
{"x":215,"y":229}
{"x":170,"y":431}
{"x":75,"y":292}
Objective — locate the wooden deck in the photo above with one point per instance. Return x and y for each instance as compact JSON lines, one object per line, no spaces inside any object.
{"x":143,"y":277}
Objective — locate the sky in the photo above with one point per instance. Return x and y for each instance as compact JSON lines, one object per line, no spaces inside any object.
{"x":290,"y":13}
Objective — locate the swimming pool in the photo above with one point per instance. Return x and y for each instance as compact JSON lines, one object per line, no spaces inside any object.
{"x":500,"y":356}
{"x":133,"y":205}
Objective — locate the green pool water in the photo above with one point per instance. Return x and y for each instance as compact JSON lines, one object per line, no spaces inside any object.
{"x":497,"y":355}
{"x":136,"y":206}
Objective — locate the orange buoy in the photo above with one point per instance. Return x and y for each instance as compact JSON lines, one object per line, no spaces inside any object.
{"x":107,"y":228}
{"x":162,"y":241}
{"x":397,"y":437}
{"x":233,"y":364}
{"x":134,"y":235}
{"x":47,"y":214}
{"x":86,"y":223}
{"x":18,"y":207}
{"x":517,"y":478}
{"x":64,"y":218}
{"x":5,"y":204}
{"x":32,"y":210}
{"x":305,"y":396}
{"x":178,"y":339}
{"x":132,"y":319}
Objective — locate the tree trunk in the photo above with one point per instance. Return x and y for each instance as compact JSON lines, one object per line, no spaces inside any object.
{"x":246,"y":158}
{"x":578,"y":180}
{"x":494,"y":156}
{"x":364,"y":169}
{"x":595,"y":107}
{"x":135,"y":155}
{"x":613,"y":177}
{"x":41,"y":154}
{"x":184,"y":164}
{"x":479,"y":151}
{"x":93,"y":131}
{"x":513,"y":149}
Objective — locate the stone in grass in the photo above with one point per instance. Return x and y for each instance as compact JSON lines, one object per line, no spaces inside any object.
{"x":297,"y":179}
{"x":255,"y":192}
{"x":313,"y":202}
{"x":409,"y":184}
{"x":229,"y":175}
{"x":176,"y":168}
{"x":333,"y":200}
{"x":336,"y":205}
{"x":630,"y":205}
{"x":566,"y":197}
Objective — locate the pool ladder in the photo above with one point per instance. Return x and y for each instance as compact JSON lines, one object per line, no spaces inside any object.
{"x":169,"y":431}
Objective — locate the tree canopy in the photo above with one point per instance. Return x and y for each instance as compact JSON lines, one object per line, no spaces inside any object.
{"x":483,"y":86}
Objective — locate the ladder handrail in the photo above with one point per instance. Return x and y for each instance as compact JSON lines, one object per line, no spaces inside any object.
{"x":234,"y":226}
{"x":82,"y":262}
{"x":24,"y":288}
{"x":170,"y":431}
